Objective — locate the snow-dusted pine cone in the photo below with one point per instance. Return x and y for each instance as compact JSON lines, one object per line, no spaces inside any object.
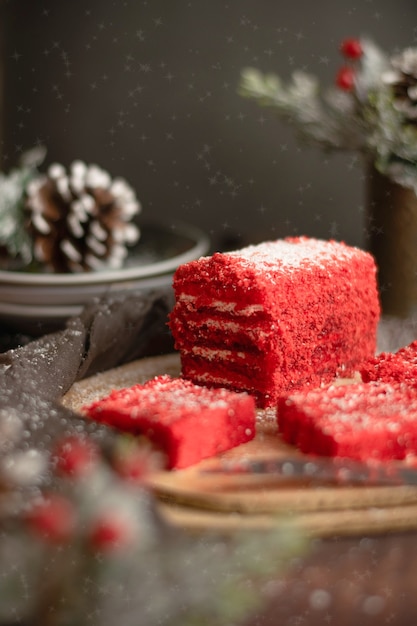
{"x":81,"y":219}
{"x":403,"y":79}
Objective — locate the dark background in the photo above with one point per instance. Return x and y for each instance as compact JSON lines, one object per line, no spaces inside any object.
{"x":148,"y":90}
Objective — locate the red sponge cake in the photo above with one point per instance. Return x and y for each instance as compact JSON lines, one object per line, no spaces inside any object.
{"x":187,"y":422}
{"x":398,"y":367}
{"x":274,"y":317}
{"x":361,"y":421}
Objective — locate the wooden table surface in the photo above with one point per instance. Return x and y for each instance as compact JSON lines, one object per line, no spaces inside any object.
{"x":367,"y":580}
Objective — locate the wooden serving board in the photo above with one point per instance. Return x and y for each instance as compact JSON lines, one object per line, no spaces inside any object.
{"x":199,"y":500}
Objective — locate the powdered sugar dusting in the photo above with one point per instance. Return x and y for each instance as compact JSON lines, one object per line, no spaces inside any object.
{"x":166,"y":399}
{"x":294,"y":253}
{"x":165,"y":394}
{"x":361,"y":421}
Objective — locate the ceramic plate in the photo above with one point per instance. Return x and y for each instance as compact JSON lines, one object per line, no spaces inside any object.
{"x":36,"y":303}
{"x":160,"y":249}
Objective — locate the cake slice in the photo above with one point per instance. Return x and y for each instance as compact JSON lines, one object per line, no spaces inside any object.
{"x":187,"y":422}
{"x":362,"y":421}
{"x":397,"y":367}
{"x":275,"y":317}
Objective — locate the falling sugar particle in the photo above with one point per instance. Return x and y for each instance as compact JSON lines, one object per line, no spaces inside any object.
{"x":320,"y":599}
{"x":373,"y":605}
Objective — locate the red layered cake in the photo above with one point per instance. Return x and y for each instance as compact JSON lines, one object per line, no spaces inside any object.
{"x":360,"y":421}
{"x":274,"y":317}
{"x":188,"y":423}
{"x":400,"y":366}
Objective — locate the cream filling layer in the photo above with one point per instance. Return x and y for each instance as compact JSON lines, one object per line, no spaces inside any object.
{"x":233,"y":327}
{"x":223,"y":306}
{"x":222,"y":380}
{"x":212,"y":354}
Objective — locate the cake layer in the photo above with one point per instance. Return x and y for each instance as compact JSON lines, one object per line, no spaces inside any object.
{"x":226,"y":374}
{"x":187,"y":422}
{"x":223,"y":368}
{"x":224,"y":329}
{"x":279,"y":315}
{"x":361,"y":421}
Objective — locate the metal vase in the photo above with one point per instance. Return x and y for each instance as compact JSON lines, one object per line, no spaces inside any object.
{"x":392,"y":239}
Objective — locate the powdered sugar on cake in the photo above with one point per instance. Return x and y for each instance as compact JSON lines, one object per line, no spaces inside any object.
{"x":284,"y":254}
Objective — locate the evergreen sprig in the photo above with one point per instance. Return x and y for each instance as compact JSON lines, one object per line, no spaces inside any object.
{"x":14,"y":238}
{"x":363,"y":112}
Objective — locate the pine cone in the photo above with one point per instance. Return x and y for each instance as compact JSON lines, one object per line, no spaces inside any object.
{"x":403,"y":79}
{"x":80,"y":220}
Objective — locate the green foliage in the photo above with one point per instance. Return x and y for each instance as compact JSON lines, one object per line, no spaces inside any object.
{"x":316,"y":119}
{"x":14,"y":238}
{"x":370,"y":119}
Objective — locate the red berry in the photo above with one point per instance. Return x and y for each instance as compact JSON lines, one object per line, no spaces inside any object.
{"x":133,"y":467}
{"x":74,"y":456}
{"x":53,"y":518}
{"x":345,"y":78}
{"x":136,"y":463}
{"x":110,"y":532}
{"x":351,"y":48}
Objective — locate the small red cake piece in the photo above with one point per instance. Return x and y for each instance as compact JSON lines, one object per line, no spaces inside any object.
{"x":187,"y":422}
{"x":361,"y":421}
{"x":397,"y":367}
{"x":275,"y":317}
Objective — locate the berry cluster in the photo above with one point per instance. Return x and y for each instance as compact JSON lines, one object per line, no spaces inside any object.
{"x":352,"y":50}
{"x":76,"y":510}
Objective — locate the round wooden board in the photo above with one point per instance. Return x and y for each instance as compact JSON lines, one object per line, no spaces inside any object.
{"x":199,"y":500}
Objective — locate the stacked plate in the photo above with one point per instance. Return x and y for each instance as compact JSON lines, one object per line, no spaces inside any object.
{"x":36,"y":303}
